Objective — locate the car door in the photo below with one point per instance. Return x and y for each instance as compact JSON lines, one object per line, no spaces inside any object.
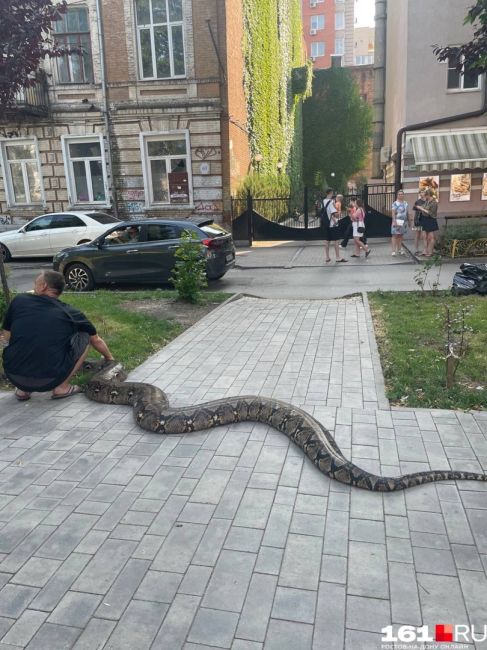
{"x":163,"y":239}
{"x":66,"y":230}
{"x":34,"y":238}
{"x":120,"y":259}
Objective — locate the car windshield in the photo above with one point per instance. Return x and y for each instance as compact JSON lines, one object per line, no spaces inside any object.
{"x":213,"y":230}
{"x":102,"y":217}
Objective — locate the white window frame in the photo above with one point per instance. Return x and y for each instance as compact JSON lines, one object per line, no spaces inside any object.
{"x":151,"y":26}
{"x":66,"y":140}
{"x":340,"y":13}
{"x":340,"y":50}
{"x":7,"y":176}
{"x":314,"y":22}
{"x":151,"y":136}
{"x":315,"y":44}
{"x":460,"y":88}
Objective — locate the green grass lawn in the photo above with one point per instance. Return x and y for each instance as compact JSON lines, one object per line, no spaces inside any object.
{"x":132,"y":337}
{"x":411,"y":336}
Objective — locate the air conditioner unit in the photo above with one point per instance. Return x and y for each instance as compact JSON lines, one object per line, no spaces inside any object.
{"x":312,"y":32}
{"x":385,"y":155}
{"x":313,"y":58}
{"x":313,"y":4}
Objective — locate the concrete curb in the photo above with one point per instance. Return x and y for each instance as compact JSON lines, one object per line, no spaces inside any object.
{"x":382,"y":400}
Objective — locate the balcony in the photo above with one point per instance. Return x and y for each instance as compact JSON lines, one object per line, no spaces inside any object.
{"x":32,"y":101}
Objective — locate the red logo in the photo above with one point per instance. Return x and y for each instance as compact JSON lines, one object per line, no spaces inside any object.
{"x":444,"y":633}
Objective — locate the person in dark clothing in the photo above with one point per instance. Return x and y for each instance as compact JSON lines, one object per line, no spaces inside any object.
{"x":48,"y":340}
{"x":418,"y":227}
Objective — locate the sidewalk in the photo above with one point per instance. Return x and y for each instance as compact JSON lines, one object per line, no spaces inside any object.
{"x":288,"y":255}
{"x":111,"y":537}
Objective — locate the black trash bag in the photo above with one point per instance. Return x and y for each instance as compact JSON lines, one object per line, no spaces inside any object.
{"x":463,"y":285}
{"x":474,"y":270}
{"x":481,"y":287}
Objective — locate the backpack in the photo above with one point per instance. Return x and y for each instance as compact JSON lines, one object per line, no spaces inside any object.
{"x":324,"y":218}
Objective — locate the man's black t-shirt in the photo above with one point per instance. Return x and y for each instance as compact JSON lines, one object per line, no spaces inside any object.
{"x":39,"y":348}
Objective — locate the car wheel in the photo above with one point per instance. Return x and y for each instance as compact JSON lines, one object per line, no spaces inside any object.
{"x":79,"y":278}
{"x":5,"y":253}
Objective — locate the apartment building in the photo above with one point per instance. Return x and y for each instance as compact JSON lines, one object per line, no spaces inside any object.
{"x":363,"y":45}
{"x":434,"y":126}
{"x":150,"y":121}
{"x":328,"y":31}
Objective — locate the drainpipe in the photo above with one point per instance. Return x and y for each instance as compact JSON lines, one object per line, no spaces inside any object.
{"x":425,"y":125}
{"x":379,"y":83}
{"x":104,"y":100}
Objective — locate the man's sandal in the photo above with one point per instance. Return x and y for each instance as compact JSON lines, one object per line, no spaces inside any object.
{"x":72,"y":390}
{"x":21,"y":395}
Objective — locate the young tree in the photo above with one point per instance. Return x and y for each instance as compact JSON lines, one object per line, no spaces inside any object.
{"x":337,"y":128}
{"x":24,"y":42}
{"x":471,"y":56}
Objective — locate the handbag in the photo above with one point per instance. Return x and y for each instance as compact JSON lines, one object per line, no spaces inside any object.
{"x":400,"y":222}
{"x":361,"y":229}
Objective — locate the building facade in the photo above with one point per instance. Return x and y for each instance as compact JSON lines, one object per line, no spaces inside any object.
{"x":328,"y":31}
{"x":150,"y":121}
{"x":363,"y":46}
{"x":435,"y":125}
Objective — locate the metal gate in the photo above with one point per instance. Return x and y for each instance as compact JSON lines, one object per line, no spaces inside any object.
{"x":285,"y":218}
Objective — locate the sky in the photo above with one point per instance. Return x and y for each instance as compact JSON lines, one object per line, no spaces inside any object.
{"x":364,"y":12}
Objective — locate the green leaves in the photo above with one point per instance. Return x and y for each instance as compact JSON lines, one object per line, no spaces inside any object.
{"x":189,"y":273}
{"x":337,"y":128}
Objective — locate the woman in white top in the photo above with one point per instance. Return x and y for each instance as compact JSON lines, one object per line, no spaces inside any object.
{"x":400,"y":218}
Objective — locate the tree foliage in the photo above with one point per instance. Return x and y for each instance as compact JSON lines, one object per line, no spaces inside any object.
{"x":337,"y":129}
{"x":24,"y":42}
{"x":471,"y":56}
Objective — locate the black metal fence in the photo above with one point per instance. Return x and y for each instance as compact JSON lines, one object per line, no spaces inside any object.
{"x":299,"y":217}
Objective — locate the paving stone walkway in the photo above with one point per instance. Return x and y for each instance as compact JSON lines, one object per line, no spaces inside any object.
{"x":111,"y":537}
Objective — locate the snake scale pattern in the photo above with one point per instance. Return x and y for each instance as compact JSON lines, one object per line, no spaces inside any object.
{"x":153,"y":413}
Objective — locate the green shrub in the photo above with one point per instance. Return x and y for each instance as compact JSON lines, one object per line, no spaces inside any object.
{"x":3,"y":306}
{"x":189,"y":273}
{"x":265,"y":186}
{"x":472,"y":230}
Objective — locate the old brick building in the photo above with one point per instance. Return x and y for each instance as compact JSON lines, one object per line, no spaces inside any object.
{"x":149,"y":122}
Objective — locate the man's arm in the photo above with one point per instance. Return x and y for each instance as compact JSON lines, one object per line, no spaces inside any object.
{"x":100,"y":346}
{"x":4,"y":337}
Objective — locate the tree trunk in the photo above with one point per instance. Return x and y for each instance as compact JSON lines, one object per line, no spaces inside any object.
{"x":3,"y":276}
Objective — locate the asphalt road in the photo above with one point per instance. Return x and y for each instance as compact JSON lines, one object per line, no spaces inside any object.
{"x":311,"y":282}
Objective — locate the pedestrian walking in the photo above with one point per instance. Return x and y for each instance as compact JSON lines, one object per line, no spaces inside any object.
{"x":358,"y":227}
{"x":330,"y":223}
{"x":352,"y":206}
{"x":400,"y":218}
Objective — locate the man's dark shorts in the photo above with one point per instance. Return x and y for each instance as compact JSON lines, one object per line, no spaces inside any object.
{"x":79,"y":342}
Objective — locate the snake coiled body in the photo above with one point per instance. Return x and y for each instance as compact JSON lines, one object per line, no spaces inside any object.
{"x":153,"y":413}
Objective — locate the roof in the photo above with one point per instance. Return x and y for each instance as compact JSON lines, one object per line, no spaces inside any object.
{"x":462,"y":149}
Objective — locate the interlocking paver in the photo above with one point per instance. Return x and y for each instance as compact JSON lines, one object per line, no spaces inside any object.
{"x":112,"y":537}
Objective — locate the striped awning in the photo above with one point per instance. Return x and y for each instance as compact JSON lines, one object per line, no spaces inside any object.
{"x":452,"y":150}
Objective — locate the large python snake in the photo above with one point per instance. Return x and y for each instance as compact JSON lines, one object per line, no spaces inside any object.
{"x":153,"y":413}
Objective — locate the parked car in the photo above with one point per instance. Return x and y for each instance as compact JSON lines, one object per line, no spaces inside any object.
{"x":143,"y":252}
{"x":46,"y":235}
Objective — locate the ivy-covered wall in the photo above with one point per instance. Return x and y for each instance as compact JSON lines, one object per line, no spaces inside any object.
{"x":273,"y":48}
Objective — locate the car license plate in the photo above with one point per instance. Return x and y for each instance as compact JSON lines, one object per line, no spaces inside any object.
{"x":229,"y":257}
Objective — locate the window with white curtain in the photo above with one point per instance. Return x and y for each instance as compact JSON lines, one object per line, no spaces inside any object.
{"x":84,"y":160}
{"x":160,"y":38}
{"x":23,"y":180}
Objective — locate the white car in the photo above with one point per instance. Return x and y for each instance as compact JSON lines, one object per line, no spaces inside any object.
{"x":44,"y":236}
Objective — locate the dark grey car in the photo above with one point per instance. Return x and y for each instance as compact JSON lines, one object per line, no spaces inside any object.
{"x":143,"y":252}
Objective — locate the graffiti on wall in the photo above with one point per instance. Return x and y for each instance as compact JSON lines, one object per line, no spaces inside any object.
{"x":133,"y":195}
{"x":208,"y":206}
{"x":203,"y":153}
